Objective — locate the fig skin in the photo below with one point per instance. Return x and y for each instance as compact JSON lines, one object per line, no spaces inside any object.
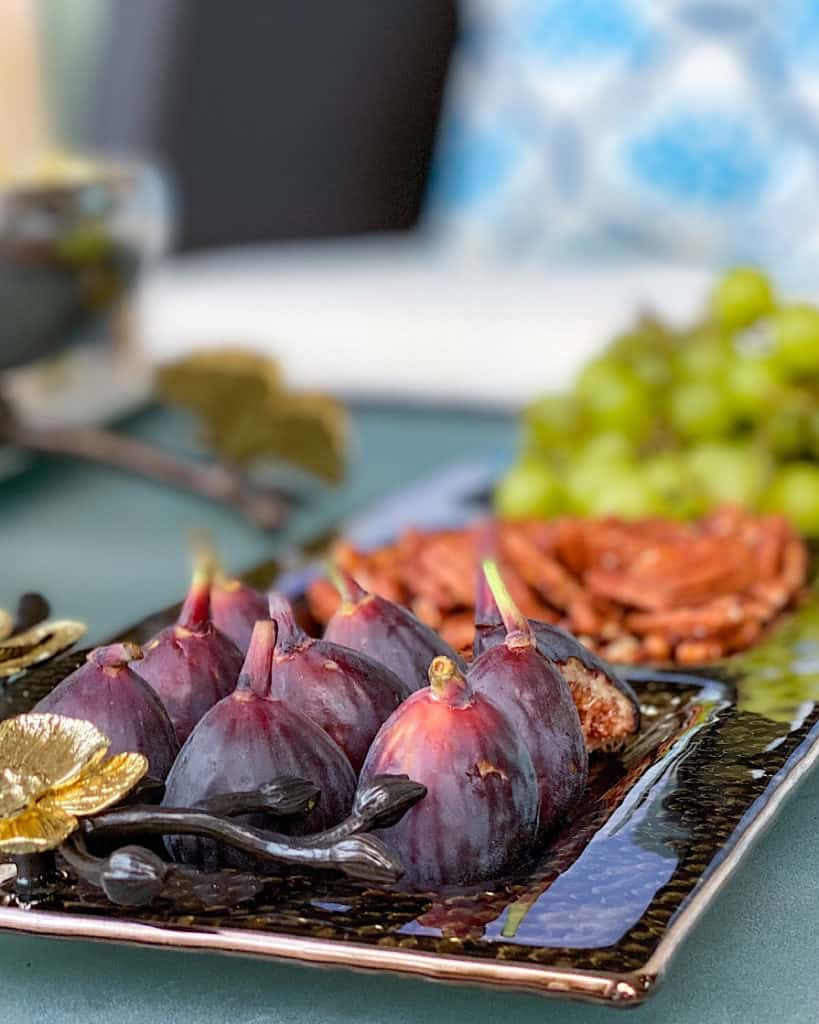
{"x":347,"y":694}
{"x":386,"y":632}
{"x":107,"y":692}
{"x":243,"y":742}
{"x":235,"y":608}
{"x":531,"y":691}
{"x":608,"y":707}
{"x":191,"y":665}
{"x":480,"y":815}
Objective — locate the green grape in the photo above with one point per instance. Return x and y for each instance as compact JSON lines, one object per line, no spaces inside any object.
{"x":529,"y":490}
{"x":703,"y":357}
{"x":601,"y":457}
{"x":741,"y":296}
{"x":615,"y":399}
{"x":608,"y":446}
{"x":604,"y":479}
{"x":726,"y":472}
{"x":653,"y":370}
{"x":752,"y":384}
{"x":796,"y":339}
{"x":648,"y":336}
{"x":617,"y":491}
{"x":813,"y":432}
{"x":646,"y":351}
{"x":788,"y":429}
{"x":552,"y":422}
{"x":670,"y":478}
{"x":795,"y":493}
{"x":698,"y":412}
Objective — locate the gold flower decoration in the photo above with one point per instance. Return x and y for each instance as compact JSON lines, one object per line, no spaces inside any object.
{"x":53,"y":770}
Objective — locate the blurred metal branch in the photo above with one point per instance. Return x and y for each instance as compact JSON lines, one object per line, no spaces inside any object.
{"x":263,"y":508}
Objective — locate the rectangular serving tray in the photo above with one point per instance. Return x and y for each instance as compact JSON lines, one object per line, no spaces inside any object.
{"x":604,"y":907}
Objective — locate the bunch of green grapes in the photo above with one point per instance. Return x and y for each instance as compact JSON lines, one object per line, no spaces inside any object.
{"x":674,"y":423}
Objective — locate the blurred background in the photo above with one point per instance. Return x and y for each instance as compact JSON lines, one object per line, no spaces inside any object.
{"x":422,"y":202}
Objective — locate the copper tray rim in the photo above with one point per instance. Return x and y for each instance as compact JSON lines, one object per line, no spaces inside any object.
{"x":614,"y":989}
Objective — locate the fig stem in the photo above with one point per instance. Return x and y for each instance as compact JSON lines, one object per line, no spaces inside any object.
{"x":348,"y":587}
{"x":340,"y":584}
{"x":195,"y":612}
{"x":289,"y":633}
{"x":115,"y":656}
{"x":486,"y":549}
{"x":361,"y":857}
{"x":486,"y":608}
{"x":513,"y":618}
{"x":446,"y":681}
{"x":204,"y":554}
{"x":258,"y":663}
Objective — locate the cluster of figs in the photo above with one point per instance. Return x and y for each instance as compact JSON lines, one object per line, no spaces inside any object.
{"x":236,"y":694}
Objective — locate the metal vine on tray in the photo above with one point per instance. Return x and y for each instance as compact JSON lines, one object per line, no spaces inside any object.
{"x":59,"y":791}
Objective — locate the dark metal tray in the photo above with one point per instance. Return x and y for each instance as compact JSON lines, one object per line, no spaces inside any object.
{"x":606,"y":904}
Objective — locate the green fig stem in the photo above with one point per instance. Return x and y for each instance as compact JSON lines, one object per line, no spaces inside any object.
{"x":195,"y":613}
{"x":516,"y":624}
{"x":114,"y":657}
{"x":447,"y":683}
{"x":487,"y":612}
{"x":486,"y":547}
{"x":205,"y":556}
{"x":350,"y":590}
{"x":289,"y":632}
{"x":258,"y":663}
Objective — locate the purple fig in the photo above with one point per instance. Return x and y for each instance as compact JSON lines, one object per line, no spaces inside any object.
{"x":246,"y":740}
{"x":235,"y":608}
{"x":608,"y":707}
{"x":530,"y":690}
{"x":191,"y":665}
{"x":480,"y":814}
{"x":386,"y":632}
{"x":108,"y":692}
{"x":345,"y":693}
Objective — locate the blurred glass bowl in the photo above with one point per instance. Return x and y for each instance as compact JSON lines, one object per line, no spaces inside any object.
{"x":74,"y":234}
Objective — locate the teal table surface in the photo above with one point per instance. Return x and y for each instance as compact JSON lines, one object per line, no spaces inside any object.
{"x":109,"y":549}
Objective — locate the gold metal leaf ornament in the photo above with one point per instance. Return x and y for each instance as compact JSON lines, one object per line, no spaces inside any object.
{"x":52,"y":771}
{"x":35,"y":645}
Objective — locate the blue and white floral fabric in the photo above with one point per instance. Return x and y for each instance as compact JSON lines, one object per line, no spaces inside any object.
{"x":672,"y":128}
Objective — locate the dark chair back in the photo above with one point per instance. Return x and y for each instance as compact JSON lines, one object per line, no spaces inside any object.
{"x":279,"y":118}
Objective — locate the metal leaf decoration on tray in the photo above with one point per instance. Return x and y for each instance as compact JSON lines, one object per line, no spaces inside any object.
{"x":27,"y":640}
{"x":248,"y":413}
